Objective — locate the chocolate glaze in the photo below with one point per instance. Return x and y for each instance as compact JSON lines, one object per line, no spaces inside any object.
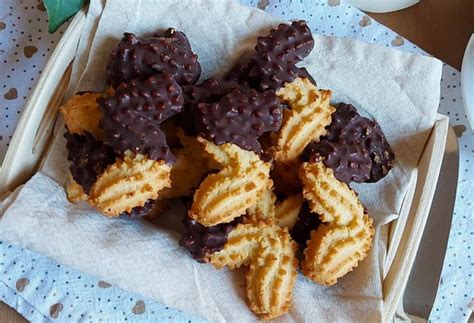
{"x":288,"y":43}
{"x":239,"y":118}
{"x":350,"y":163}
{"x":89,"y":158}
{"x":136,"y":57}
{"x":307,"y":222}
{"x":272,"y":76}
{"x":240,"y":73}
{"x":131,"y":117}
{"x":209,"y":91}
{"x":278,"y":52}
{"x":176,"y":36}
{"x":157,"y":97}
{"x":201,"y":241}
{"x":140,"y":211}
{"x":359,"y":134}
{"x":275,"y":57}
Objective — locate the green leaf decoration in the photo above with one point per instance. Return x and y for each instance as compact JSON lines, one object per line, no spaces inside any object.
{"x":59,"y":11}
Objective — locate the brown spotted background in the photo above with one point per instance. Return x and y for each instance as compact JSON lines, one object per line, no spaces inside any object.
{"x":103,"y":284}
{"x":139,"y":307}
{"x":55,"y":309}
{"x":365,"y":21}
{"x":398,"y":41}
{"x":21,"y":284}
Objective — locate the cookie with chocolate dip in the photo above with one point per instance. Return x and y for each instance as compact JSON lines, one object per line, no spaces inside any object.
{"x":131,"y":117}
{"x":355,"y":147}
{"x":138,"y":58}
{"x":240,"y":118}
{"x":89,"y":157}
{"x":202,"y":241}
{"x":276,"y":54}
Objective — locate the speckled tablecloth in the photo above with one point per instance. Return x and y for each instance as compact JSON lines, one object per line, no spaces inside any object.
{"x":41,"y":289}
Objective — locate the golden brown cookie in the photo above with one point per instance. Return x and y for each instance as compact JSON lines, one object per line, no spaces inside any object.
{"x":333,"y":200}
{"x":81,"y":114}
{"x":225,"y":195}
{"x":269,"y":252}
{"x":287,"y":211}
{"x":305,"y":121}
{"x":264,"y":210}
{"x":189,"y":169}
{"x":338,"y":245}
{"x":75,"y":192}
{"x":219,"y":155}
{"x":129,"y":183}
{"x":333,"y":250}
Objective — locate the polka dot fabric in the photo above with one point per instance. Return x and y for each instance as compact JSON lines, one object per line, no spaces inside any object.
{"x":38,"y":288}
{"x":25,"y":46}
{"x":41,"y":290}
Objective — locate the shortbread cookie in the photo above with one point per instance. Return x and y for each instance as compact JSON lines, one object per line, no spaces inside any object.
{"x":75,"y":192}
{"x":202,"y":241}
{"x":309,"y":114}
{"x":287,"y":211}
{"x":264,"y":210}
{"x":337,"y":246}
{"x":243,"y":244}
{"x":128,"y":183}
{"x":81,"y":114}
{"x":269,"y":252}
{"x":333,"y":200}
{"x":190,"y":168}
{"x":225,"y":195}
{"x":334,"y":250}
{"x":219,"y":155}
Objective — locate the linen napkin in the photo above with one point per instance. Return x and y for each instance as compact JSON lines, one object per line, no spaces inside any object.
{"x":399,"y":90}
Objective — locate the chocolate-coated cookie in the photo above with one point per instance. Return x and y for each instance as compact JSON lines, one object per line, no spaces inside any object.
{"x":89,"y":158}
{"x":265,"y":75}
{"x":275,"y":57}
{"x":209,"y":91}
{"x":350,"y":129}
{"x":288,"y":44}
{"x":131,"y":117}
{"x":350,"y":163}
{"x":138,"y":58}
{"x":239,"y":118}
{"x":177,"y":36}
{"x":201,"y":240}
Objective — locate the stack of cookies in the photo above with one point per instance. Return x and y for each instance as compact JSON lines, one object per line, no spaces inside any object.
{"x":260,"y":156}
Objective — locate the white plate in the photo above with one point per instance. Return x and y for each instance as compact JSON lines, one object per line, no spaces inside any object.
{"x":467,"y":80}
{"x":381,"y":6}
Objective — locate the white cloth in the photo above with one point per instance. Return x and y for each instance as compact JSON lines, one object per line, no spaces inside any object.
{"x":399,"y":90}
